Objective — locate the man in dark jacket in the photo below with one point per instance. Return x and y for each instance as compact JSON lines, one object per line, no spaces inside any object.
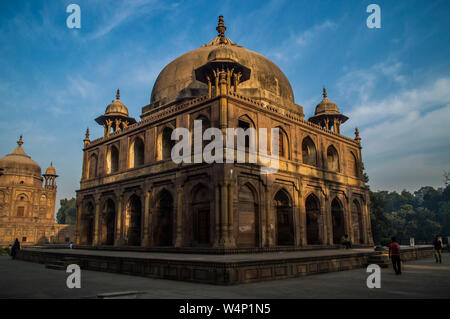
{"x":438,"y":249}
{"x":15,"y":248}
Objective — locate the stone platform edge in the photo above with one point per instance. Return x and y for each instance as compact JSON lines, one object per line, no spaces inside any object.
{"x":218,"y":273}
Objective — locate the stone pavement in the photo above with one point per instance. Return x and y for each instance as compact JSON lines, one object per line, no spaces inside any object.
{"x":420,"y":279}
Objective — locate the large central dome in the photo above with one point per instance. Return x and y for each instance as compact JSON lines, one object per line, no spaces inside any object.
{"x":177,"y":81}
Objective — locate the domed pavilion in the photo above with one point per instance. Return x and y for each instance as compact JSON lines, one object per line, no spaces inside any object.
{"x":133,"y":194}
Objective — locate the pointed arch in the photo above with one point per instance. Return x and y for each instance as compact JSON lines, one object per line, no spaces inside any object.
{"x":312,"y":205}
{"x":352,"y":164}
{"x":165,"y":143}
{"x":248,"y":219}
{"x":108,"y":222}
{"x":137,"y":149}
{"x":357,"y":222}
{"x":338,"y":221}
{"x":87,"y":224}
{"x":163,"y":230}
{"x":309,"y":152}
{"x":332,"y":159}
{"x":283,"y":144}
{"x":133,"y":219}
{"x":112,"y":160}
{"x":284,"y":218}
{"x":201,"y":215}
{"x":93,"y":164}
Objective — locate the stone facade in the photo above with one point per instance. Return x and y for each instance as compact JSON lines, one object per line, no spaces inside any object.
{"x":27,"y":207}
{"x":133,"y":194}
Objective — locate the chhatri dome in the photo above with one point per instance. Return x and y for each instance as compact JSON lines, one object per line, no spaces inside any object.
{"x":116,"y":116}
{"x":19,"y":163}
{"x":265,"y":82}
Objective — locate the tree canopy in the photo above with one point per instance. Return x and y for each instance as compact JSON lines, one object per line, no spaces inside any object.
{"x":422,"y":215}
{"x":67,"y":213}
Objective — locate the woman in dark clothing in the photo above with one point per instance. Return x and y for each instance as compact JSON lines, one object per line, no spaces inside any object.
{"x":15,"y":248}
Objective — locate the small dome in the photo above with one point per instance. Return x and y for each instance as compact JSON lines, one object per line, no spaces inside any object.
{"x":117,"y":107}
{"x":326,"y":106}
{"x":19,"y":163}
{"x":50,"y":170}
{"x":222,"y":53}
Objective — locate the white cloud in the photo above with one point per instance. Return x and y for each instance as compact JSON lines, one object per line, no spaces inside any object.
{"x":290,"y":48}
{"x":406,"y":136}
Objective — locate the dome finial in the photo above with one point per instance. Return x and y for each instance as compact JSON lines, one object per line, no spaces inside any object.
{"x":221,"y":28}
{"x":20,"y":142}
{"x":324,"y":92}
{"x":118,"y":95}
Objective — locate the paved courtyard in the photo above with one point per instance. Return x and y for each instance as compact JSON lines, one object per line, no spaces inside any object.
{"x":420,"y":279}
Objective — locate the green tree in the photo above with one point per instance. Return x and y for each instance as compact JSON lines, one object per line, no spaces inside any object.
{"x":67,"y":213}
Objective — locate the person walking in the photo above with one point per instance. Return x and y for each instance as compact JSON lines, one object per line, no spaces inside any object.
{"x":437,"y":243}
{"x":15,"y":248}
{"x":394,"y":255}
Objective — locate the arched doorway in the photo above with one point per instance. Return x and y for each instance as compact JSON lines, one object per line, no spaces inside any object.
{"x":87,"y":229}
{"x":309,"y":154}
{"x":133,"y":221}
{"x":285,"y":222}
{"x":201,"y":216}
{"x":312,"y":220}
{"x":247,"y":218}
{"x":357,"y":223}
{"x":337,"y":215}
{"x":163,"y":234}
{"x":108,"y":223}
{"x":332,"y":159}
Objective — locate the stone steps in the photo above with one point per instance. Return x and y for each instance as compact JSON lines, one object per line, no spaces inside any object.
{"x":61,"y":264}
{"x":381,"y":260}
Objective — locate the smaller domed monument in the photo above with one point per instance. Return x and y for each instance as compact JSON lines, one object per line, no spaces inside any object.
{"x":27,"y":206}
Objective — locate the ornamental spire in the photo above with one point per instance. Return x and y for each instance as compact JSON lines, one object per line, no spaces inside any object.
{"x":357,"y":138}
{"x":118,"y":95}
{"x":324,"y":92}
{"x":221,"y":28}
{"x":20,"y":142}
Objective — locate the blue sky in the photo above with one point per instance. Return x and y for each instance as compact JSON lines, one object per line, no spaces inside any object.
{"x":393,"y":82}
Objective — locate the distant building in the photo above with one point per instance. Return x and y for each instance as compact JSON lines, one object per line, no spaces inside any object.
{"x":27,"y":207}
{"x":133,"y":194}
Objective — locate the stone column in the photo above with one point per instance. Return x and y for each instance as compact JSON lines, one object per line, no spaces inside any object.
{"x":269,"y":239}
{"x":347,"y":219}
{"x":302,"y":220}
{"x":96,"y":241}
{"x":78,"y":225}
{"x":231,"y":239}
{"x":179,"y":229}
{"x":325,"y":223}
{"x":217,"y":216}
{"x":145,"y":238}
{"x":118,"y":235}
{"x":224,"y":219}
{"x":330,"y":229}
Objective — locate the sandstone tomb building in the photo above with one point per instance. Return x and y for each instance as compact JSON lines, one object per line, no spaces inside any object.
{"x":133,"y":195}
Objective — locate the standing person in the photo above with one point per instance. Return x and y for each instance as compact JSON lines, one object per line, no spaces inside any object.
{"x":394,"y":255}
{"x":70,"y":245}
{"x":15,"y":248}
{"x":438,"y":249}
